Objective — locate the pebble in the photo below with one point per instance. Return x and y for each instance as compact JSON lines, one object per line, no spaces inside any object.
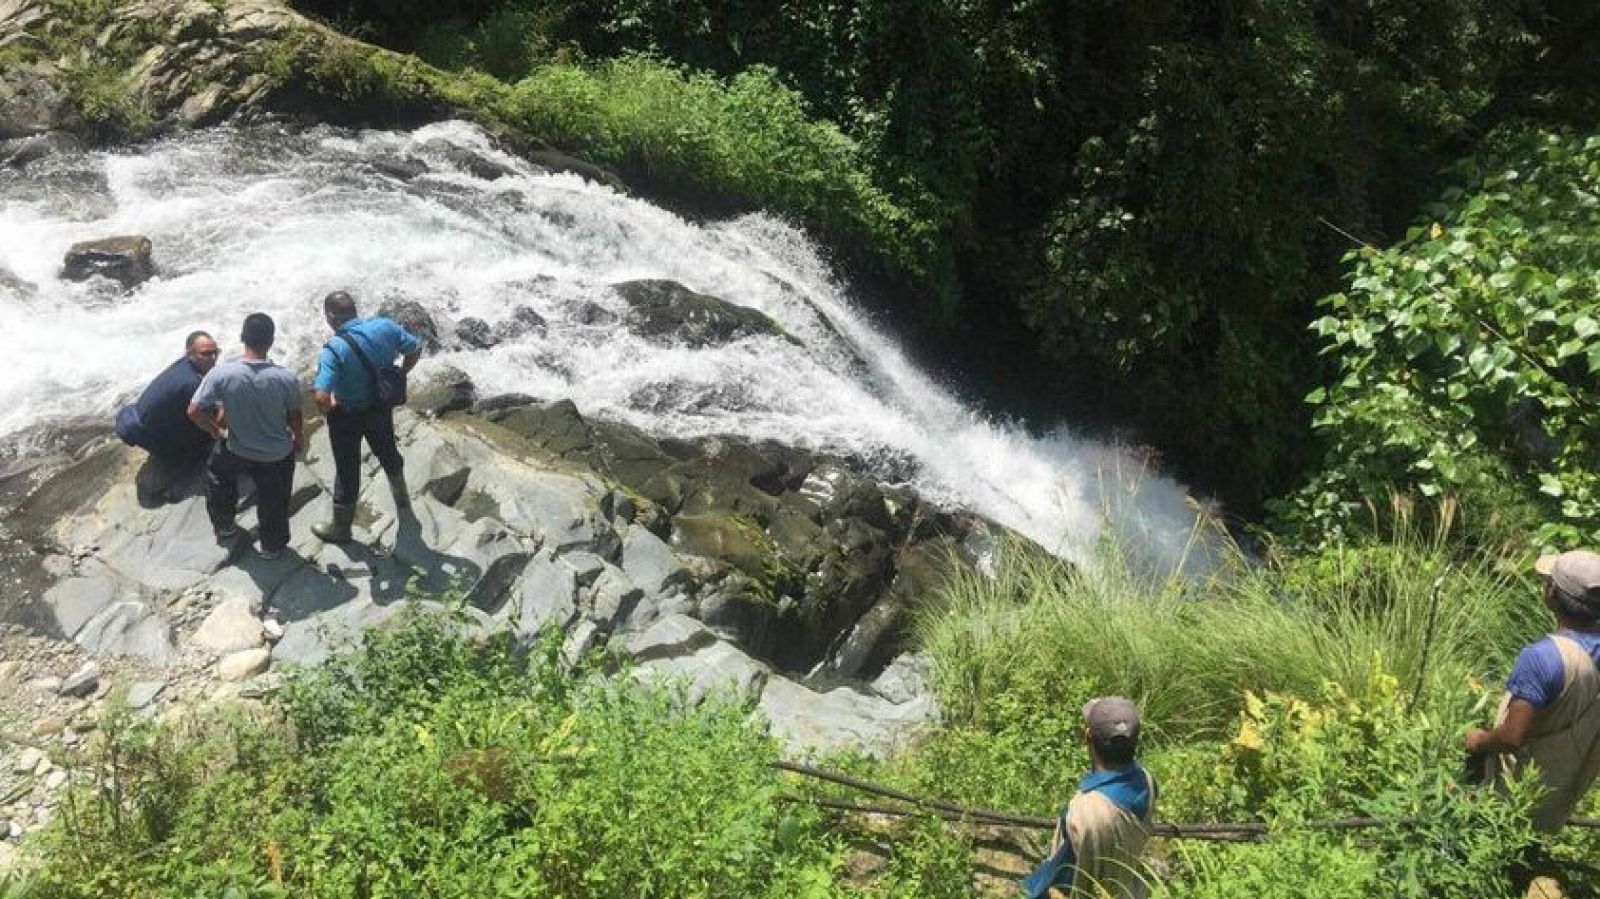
{"x":49,"y":727}
{"x":273,"y":629}
{"x":14,"y":830}
{"x":241,"y":665}
{"x":82,"y":682}
{"x":27,"y":761}
{"x":229,"y":628}
{"x":261,"y":685}
{"x":45,"y":684}
{"x":56,"y":779}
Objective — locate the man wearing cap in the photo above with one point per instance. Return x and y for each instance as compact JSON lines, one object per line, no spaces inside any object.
{"x":1550,"y":715}
{"x":1103,"y":829}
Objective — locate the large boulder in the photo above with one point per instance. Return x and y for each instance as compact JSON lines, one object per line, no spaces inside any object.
{"x":125,"y":260}
{"x":412,"y":316}
{"x":668,"y":312}
{"x":21,"y":151}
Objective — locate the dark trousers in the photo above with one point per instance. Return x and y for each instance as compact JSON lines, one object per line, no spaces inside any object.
{"x":274,"y":482}
{"x":346,"y":430}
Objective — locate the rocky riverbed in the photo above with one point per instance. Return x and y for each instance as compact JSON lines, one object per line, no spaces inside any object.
{"x":773,"y":572}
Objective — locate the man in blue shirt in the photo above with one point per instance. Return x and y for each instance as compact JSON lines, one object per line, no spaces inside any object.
{"x":346,"y":391}
{"x":1104,"y":828}
{"x":158,"y":421}
{"x":1550,"y":715}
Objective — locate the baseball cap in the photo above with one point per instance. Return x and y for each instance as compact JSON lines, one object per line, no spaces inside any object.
{"x":1576,"y":574}
{"x":1111,"y":717}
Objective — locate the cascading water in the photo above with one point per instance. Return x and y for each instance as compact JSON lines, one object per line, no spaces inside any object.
{"x":271,"y":220}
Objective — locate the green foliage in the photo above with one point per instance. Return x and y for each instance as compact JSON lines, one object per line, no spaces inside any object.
{"x":1468,"y":354}
{"x":430,"y":765}
{"x":507,"y":43}
{"x":751,"y":139}
{"x":1366,"y":753}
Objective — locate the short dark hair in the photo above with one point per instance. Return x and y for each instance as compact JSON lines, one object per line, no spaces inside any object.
{"x":1116,"y":751}
{"x":188,"y":342}
{"x":1574,"y":608}
{"x":258,"y":331}
{"x":339,"y":306}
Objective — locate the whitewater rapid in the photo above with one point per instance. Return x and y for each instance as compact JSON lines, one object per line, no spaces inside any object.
{"x":270,"y":220}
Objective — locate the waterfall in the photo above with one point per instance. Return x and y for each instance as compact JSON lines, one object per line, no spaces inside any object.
{"x":266,"y":219}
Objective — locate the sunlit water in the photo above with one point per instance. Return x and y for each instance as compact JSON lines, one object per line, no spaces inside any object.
{"x":268,"y":220}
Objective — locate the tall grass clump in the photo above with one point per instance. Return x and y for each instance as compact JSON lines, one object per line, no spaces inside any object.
{"x":1187,"y":650}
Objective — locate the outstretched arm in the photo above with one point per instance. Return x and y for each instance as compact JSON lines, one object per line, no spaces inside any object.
{"x":1509,"y":734}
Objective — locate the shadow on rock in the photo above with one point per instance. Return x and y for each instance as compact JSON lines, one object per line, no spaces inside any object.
{"x":435,"y":572}
{"x":295,"y":587}
{"x":160,"y":482}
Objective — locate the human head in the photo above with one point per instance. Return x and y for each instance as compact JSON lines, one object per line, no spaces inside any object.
{"x":1572,"y":585}
{"x":1112,"y":730}
{"x":200,"y":350}
{"x":258,"y":332}
{"x":339,"y":307}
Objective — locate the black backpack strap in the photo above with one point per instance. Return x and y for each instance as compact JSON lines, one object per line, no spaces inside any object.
{"x":372,"y":373}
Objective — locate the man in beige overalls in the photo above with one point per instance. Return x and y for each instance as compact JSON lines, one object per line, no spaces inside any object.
{"x":1102,"y":832}
{"x":1551,"y":712}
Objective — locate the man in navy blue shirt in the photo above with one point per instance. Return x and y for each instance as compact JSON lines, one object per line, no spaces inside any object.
{"x":158,"y":421}
{"x":346,"y":391}
{"x":1550,"y":715}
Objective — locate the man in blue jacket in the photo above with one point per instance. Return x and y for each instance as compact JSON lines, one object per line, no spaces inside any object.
{"x":1104,"y":828}
{"x":346,"y":390}
{"x":158,"y":422}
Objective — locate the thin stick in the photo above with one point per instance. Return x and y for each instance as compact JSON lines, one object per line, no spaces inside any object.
{"x":951,"y":811}
{"x":1213,"y":833}
{"x":1427,"y":640}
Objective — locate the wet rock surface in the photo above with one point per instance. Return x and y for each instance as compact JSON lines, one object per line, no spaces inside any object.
{"x":667,"y":312}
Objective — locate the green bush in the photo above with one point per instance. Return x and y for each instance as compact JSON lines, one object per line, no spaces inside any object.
{"x":427,"y":765}
{"x":1468,"y":354}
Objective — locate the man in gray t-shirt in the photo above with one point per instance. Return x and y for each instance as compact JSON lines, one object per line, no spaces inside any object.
{"x":258,"y":433}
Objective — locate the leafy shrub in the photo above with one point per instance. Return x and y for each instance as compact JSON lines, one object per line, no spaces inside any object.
{"x":428,"y":765}
{"x":1468,"y":354}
